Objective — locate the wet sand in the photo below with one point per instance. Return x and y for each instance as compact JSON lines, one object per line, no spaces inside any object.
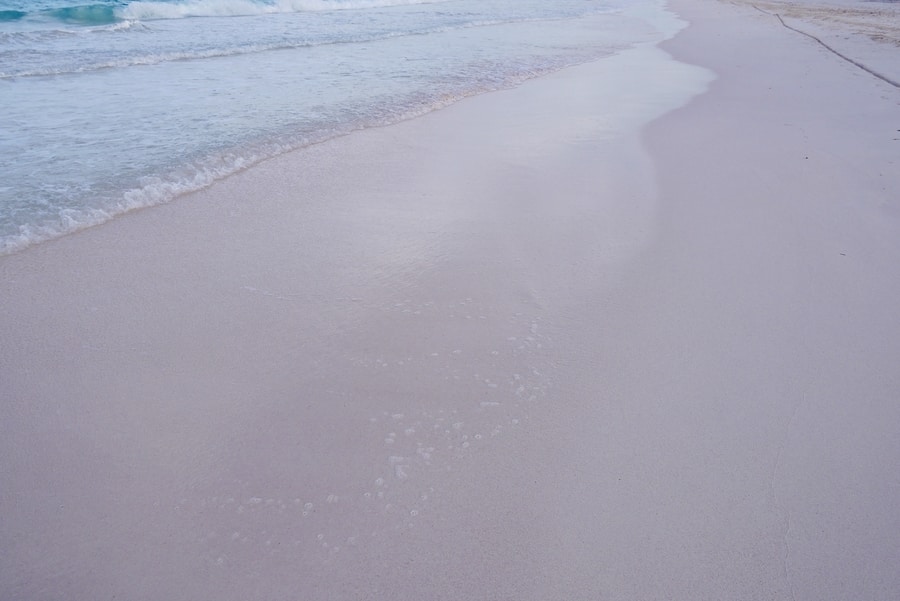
{"x":556,"y":342}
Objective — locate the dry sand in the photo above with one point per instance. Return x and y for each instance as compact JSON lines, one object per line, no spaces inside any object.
{"x":864,"y":32}
{"x":521,"y":348}
{"x":754,"y":367}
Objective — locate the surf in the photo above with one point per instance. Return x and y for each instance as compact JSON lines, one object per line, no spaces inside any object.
{"x":150,"y":10}
{"x":104,"y":13}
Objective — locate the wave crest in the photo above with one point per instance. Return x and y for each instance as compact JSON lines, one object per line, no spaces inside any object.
{"x":108,"y":13}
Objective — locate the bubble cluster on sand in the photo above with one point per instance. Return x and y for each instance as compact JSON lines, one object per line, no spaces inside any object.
{"x":482,"y":393}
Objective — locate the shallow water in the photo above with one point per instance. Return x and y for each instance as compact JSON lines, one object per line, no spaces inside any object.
{"x":118,"y":105}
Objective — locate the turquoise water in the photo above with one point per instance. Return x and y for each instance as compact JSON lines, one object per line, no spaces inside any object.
{"x":111,"y":106}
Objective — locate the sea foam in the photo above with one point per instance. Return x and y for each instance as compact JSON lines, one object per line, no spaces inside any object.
{"x":235,"y":8}
{"x":102,"y":118}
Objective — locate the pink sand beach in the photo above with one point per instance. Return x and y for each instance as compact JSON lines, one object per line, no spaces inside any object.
{"x":626,"y":331}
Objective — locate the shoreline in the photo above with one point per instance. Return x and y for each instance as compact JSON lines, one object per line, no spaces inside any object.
{"x":251,"y":376}
{"x":176,"y":176}
{"x":538,"y":349}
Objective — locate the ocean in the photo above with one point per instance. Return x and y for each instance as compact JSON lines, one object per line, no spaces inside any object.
{"x":116,"y":105}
